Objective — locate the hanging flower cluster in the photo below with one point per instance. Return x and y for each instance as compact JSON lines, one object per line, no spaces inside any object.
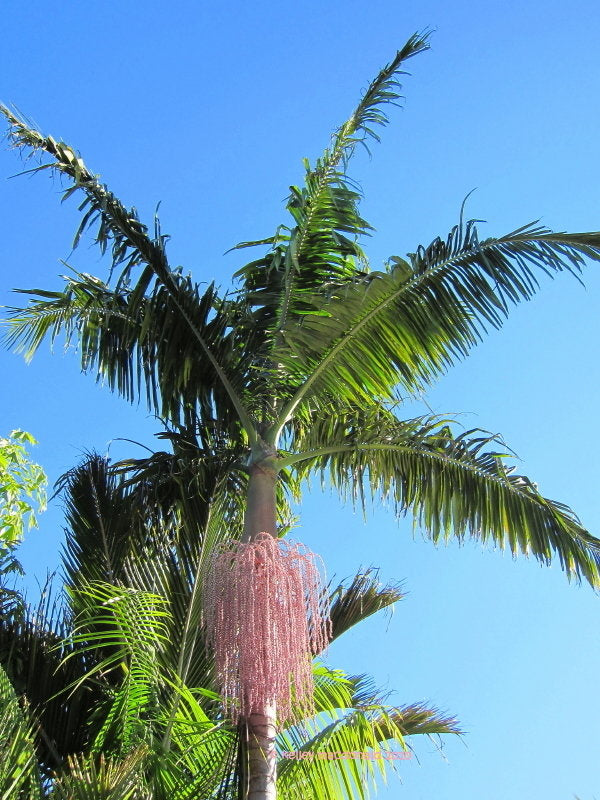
{"x":265,"y":615}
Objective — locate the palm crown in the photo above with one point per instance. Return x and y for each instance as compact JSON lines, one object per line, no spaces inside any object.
{"x":306,"y":361}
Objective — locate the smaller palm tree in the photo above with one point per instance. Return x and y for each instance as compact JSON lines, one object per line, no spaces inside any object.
{"x":117,"y":693}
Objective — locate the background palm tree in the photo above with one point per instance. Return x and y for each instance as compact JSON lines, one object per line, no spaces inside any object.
{"x":305,"y":366}
{"x":116,"y":687}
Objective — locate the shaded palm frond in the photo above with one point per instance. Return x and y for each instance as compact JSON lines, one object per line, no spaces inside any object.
{"x":33,"y":646}
{"x":117,"y":512}
{"x":118,"y":228}
{"x":102,"y":526}
{"x":19,"y":776}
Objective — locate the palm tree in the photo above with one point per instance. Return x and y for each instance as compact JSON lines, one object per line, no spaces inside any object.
{"x":304,"y":365}
{"x":116,"y":687}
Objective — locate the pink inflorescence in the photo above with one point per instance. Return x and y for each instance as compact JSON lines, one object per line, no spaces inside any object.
{"x":265,"y":614}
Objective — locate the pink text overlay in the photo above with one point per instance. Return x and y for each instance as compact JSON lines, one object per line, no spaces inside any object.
{"x":389,"y":755}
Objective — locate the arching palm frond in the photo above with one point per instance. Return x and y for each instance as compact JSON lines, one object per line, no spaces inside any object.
{"x":131,"y":246}
{"x":123,"y":629}
{"x":406,"y":326}
{"x":139,"y":342}
{"x":354,"y":738}
{"x":456,"y":486}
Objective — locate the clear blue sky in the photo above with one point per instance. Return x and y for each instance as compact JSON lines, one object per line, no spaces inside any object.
{"x":209,"y":108}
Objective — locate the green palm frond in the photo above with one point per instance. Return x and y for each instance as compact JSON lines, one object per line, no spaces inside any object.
{"x":139,"y":342}
{"x":200,"y":752}
{"x":455,"y":486}
{"x":188,"y":751}
{"x":97,"y":777}
{"x":353,"y":739}
{"x":363,"y":597}
{"x":333,"y":690}
{"x":407,"y":325}
{"x":123,"y":629}
{"x":131,"y":246}
{"x":419,"y":719}
{"x":19,"y":776}
{"x":322,"y":245}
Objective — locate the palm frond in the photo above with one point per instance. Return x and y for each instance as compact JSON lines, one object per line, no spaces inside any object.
{"x":344,"y":748}
{"x":153,"y":521}
{"x":147,"y":524}
{"x":363,"y":597}
{"x":139,"y":343}
{"x":323,"y":243}
{"x":124,"y":629}
{"x":33,"y":647}
{"x":321,"y":248}
{"x":199,"y":757}
{"x":455,"y":485}
{"x":96,"y":777}
{"x":118,"y":228}
{"x":407,"y":325}
{"x":131,"y":246}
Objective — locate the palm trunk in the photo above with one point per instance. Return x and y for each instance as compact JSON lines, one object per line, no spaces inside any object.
{"x":261,"y":515}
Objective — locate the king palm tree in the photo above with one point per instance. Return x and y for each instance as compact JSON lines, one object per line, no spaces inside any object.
{"x":112,"y":694}
{"x":303,"y":366}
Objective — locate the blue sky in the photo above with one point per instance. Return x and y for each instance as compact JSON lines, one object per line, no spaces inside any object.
{"x":209,"y":108}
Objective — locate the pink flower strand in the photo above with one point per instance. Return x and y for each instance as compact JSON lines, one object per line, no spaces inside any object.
{"x":265,"y":615}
